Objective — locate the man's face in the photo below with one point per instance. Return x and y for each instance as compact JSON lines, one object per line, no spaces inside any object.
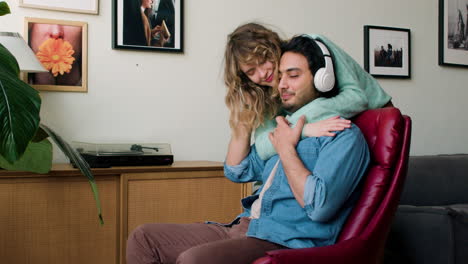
{"x":147,"y":3}
{"x":296,"y":84}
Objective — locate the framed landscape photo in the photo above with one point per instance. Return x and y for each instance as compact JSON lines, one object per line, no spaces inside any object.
{"x":62,"y":48}
{"x":453,"y":31}
{"x":387,"y":51}
{"x":80,"y":6}
{"x":148,"y":25}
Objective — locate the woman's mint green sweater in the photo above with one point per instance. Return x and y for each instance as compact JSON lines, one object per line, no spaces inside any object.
{"x":358,"y":91}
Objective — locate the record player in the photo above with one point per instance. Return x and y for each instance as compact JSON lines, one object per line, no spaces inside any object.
{"x":133,"y":154}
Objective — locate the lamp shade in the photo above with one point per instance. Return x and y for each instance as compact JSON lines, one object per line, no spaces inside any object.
{"x":27,"y":61}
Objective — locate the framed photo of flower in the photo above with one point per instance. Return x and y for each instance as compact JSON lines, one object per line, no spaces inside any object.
{"x":148,"y":25}
{"x":62,"y":48}
{"x":453,"y":32}
{"x":81,"y":6}
{"x":387,"y":51}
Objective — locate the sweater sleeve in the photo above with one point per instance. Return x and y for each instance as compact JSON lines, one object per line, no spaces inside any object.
{"x":265,"y":149}
{"x":350,"y":101}
{"x":314,"y":111}
{"x":358,"y":91}
{"x":350,"y":74}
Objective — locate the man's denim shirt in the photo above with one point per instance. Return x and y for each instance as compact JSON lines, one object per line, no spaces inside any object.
{"x":337,"y":165}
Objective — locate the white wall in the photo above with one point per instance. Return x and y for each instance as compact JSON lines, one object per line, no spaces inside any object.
{"x":136,"y":96}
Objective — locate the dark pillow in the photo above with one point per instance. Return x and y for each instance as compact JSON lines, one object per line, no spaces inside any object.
{"x":436,"y":180}
{"x":429,"y":234}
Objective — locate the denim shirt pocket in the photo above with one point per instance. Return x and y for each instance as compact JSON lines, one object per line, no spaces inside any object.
{"x":308,"y":150}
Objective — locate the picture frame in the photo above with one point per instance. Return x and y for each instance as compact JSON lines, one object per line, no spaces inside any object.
{"x":387,"y":51}
{"x":62,"y":48}
{"x":81,"y":6}
{"x":158,"y":28}
{"x":453,"y":31}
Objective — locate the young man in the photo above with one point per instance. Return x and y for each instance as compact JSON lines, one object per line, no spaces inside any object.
{"x":309,"y":188}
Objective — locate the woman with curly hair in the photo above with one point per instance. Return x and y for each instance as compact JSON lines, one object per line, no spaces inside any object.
{"x":251,"y":61}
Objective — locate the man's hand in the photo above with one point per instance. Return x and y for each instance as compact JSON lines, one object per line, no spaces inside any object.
{"x":285,"y":138}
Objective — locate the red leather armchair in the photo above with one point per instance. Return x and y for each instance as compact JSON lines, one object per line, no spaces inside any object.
{"x":363,"y":237}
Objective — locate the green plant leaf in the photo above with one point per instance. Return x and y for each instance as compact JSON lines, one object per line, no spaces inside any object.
{"x":37,"y":158}
{"x":19,"y":110}
{"x":4,"y":9}
{"x":40,"y":135}
{"x":8,"y":62}
{"x":79,"y":162}
{"x":19,"y":116}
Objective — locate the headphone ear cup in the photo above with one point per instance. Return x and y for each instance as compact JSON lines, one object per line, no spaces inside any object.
{"x":318,"y":80}
{"x":324,"y":81}
{"x":328,"y":82}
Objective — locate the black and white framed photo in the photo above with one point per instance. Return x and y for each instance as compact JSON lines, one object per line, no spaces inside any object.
{"x":453,"y":31}
{"x":387,"y":52}
{"x":154,"y":25}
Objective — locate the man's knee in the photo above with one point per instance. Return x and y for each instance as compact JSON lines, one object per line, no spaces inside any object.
{"x":138,"y":250}
{"x":138,"y":234}
{"x":195,"y":255}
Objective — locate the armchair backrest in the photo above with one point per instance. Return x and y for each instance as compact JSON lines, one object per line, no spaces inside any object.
{"x":364,"y":234}
{"x":388,"y":134}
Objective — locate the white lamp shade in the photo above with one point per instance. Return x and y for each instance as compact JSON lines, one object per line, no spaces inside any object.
{"x":24,"y":55}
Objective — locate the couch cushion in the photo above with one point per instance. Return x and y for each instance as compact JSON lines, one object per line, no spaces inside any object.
{"x":429,"y":234}
{"x":436,"y":180}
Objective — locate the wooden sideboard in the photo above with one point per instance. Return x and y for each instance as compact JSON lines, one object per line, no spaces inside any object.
{"x":51,"y":218}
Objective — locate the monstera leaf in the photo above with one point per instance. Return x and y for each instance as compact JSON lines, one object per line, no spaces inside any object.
{"x":4,"y":9}
{"x":37,"y":158}
{"x":19,"y":109}
{"x":79,"y":162}
{"x":23,"y":144}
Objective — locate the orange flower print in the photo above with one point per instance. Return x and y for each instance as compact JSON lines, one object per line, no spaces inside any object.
{"x":56,"y":56}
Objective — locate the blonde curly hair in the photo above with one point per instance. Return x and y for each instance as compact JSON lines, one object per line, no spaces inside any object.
{"x":248,"y":102}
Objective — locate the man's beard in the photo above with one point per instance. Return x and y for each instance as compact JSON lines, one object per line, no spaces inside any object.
{"x":287,"y":106}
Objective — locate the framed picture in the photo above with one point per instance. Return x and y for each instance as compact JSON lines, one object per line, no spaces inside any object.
{"x":62,"y":48}
{"x":387,"y":52}
{"x":453,"y":31}
{"x":148,"y":25}
{"x":81,"y":6}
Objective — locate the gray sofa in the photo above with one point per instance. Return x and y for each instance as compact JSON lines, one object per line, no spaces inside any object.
{"x":431,"y":223}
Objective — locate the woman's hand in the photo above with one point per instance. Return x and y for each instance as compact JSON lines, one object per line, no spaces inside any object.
{"x":325,"y":127}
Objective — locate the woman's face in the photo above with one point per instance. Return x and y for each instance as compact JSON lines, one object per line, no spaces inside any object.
{"x":39,"y":33}
{"x":42,"y":32}
{"x":261,"y":74}
{"x":146,"y":3}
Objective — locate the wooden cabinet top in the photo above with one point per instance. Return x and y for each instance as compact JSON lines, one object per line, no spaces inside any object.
{"x":68,"y":170}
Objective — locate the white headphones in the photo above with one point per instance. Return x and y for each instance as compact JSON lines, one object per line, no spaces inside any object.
{"x":324,"y":79}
